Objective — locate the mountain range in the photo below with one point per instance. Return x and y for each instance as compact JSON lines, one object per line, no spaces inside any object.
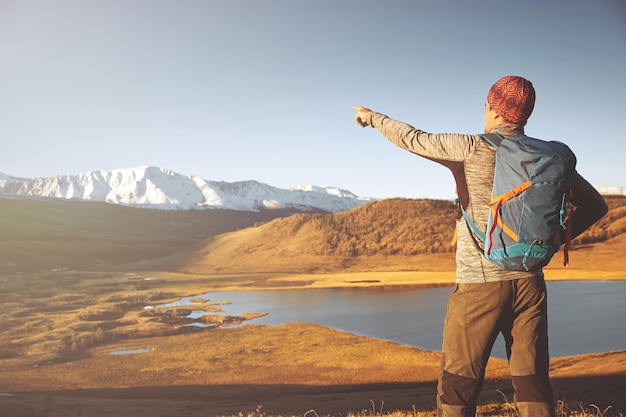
{"x":162,"y":188}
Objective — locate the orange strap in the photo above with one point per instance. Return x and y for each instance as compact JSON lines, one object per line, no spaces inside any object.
{"x":498,"y":221}
{"x":456,"y":228}
{"x":454,"y":236}
{"x":513,"y":192}
{"x":496,"y":203}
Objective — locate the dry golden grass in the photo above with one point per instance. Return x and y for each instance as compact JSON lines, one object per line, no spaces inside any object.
{"x":390,"y":235}
{"x":287,"y":369}
{"x":373,"y":235}
{"x":46,"y":234}
{"x":64,"y":306}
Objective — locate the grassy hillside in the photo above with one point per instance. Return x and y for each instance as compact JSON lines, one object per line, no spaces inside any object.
{"x":394,"y":233}
{"x":57,"y":328}
{"x":44,"y":234}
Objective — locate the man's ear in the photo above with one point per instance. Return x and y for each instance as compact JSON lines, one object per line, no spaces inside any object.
{"x":495,"y":116}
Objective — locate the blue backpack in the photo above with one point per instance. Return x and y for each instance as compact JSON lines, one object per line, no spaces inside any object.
{"x":530,"y":210}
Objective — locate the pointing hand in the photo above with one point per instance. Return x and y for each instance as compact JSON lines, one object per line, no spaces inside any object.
{"x":361,"y":113}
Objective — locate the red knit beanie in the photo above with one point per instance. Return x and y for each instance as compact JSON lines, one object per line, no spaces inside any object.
{"x":512,"y":98}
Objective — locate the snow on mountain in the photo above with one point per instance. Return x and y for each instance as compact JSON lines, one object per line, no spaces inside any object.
{"x":161,"y":188}
{"x":611,"y":190}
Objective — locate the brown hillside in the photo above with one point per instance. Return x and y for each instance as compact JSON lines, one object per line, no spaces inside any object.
{"x":394,"y":228}
{"x":41,"y":234}
{"x":395,"y":234}
{"x":399,"y":232}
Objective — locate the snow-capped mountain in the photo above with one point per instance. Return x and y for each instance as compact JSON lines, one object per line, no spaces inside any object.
{"x":152,"y":187}
{"x":611,"y":190}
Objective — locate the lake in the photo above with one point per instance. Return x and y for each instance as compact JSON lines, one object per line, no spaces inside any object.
{"x":584,"y":316}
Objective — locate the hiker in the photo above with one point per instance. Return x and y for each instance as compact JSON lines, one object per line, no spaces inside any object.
{"x":488,"y":300}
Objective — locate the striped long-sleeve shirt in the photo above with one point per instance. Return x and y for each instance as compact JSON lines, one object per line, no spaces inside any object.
{"x":472,"y":162}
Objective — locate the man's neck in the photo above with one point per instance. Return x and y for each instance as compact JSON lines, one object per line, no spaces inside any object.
{"x":508,"y":129}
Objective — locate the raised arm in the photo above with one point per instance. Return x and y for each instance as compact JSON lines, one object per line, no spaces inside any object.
{"x":441,"y":148}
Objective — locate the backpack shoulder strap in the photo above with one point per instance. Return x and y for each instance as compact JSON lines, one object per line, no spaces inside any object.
{"x":493,"y":139}
{"x":472,"y":225}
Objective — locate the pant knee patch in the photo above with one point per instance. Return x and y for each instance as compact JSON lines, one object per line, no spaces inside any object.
{"x":458,"y":390}
{"x":532,"y":388}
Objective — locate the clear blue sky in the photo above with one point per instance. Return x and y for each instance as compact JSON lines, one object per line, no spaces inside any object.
{"x":263,"y":89}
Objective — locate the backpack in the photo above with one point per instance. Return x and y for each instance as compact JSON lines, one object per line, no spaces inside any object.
{"x":530,"y":209}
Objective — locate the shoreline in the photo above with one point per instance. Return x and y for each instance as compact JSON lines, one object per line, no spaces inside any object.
{"x":288,"y":369}
{"x":351,"y":280}
{"x":387,"y":281}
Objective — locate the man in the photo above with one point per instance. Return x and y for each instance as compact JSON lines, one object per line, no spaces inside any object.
{"x":487,"y":300}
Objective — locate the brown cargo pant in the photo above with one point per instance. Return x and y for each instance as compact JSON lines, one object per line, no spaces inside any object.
{"x":476,"y":314}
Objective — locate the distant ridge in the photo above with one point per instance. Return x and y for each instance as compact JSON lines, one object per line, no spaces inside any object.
{"x":162,"y":188}
{"x":378,"y":235}
{"x":52,"y":234}
{"x":612,"y":190}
